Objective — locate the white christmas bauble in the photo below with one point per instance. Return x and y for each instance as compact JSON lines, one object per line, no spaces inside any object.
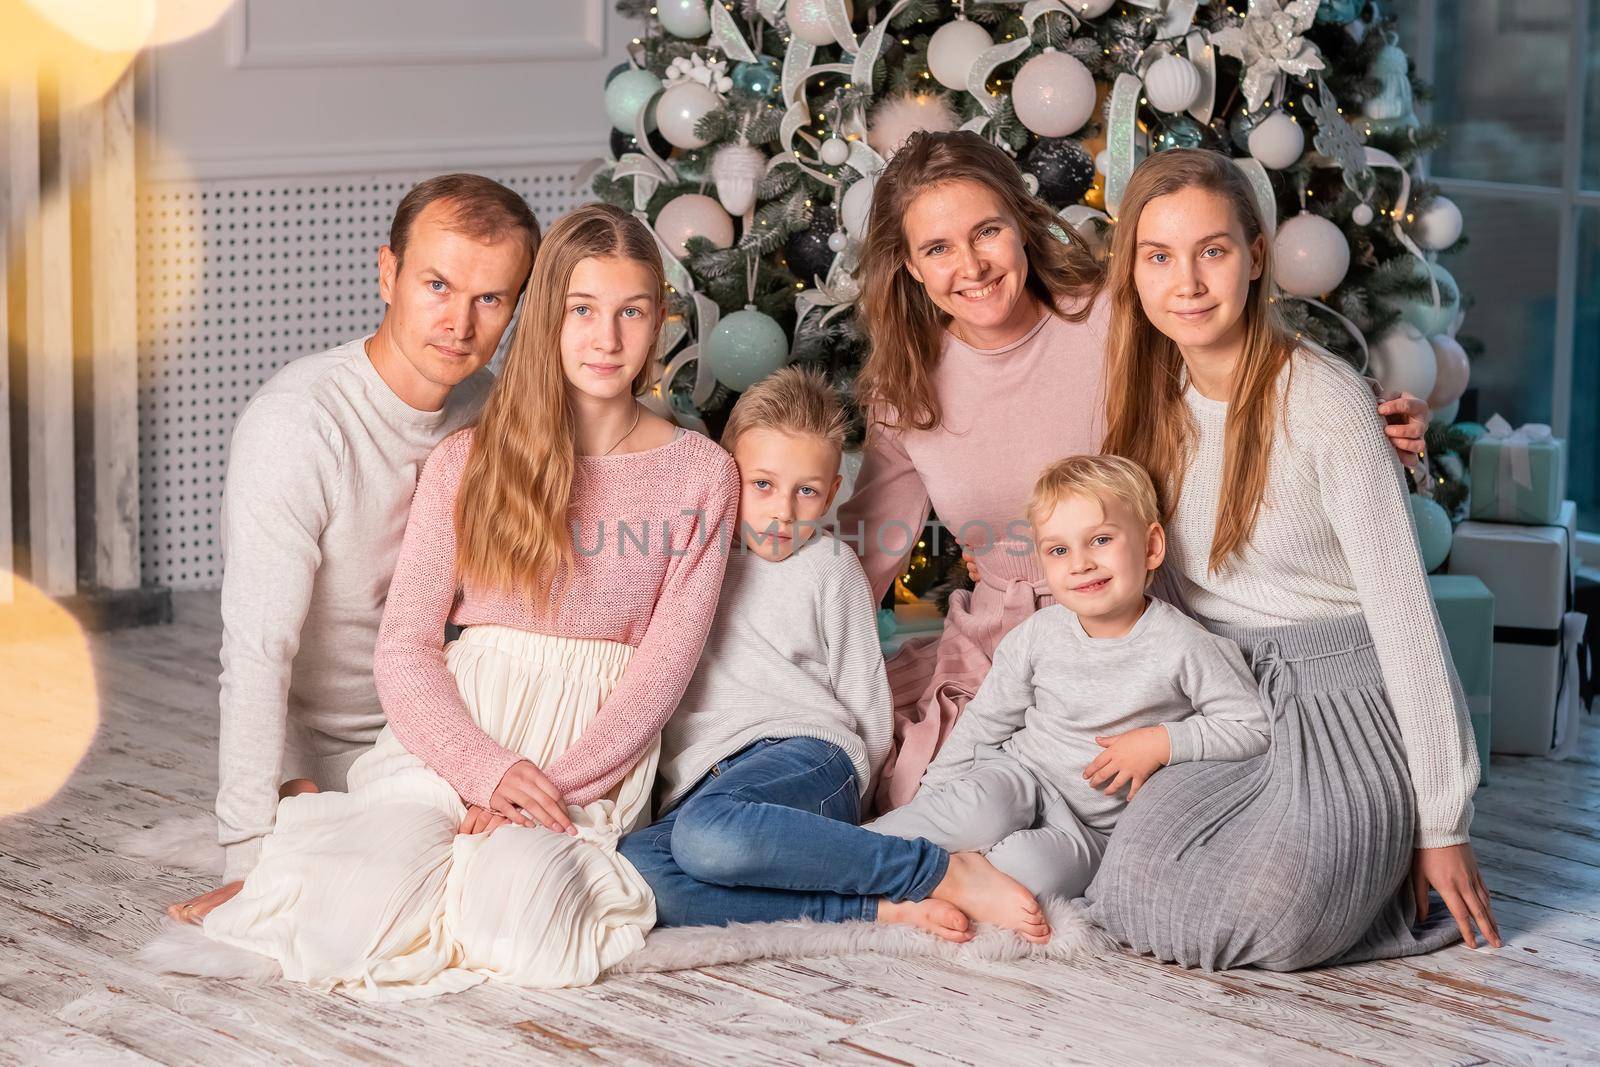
{"x":737,"y":169}
{"x":1102,"y":161}
{"x":744,"y":348}
{"x":808,"y":20}
{"x":834,"y":151}
{"x":856,"y":207}
{"x":1276,"y":141}
{"x":1171,"y":84}
{"x":1309,"y":256}
{"x":1422,"y":313}
{"x":837,"y":241}
{"x":629,"y":93}
{"x":1361,"y":214}
{"x":1403,"y":361}
{"x":680,"y":107}
{"x":898,"y":117}
{"x":684,"y":18}
{"x":1053,"y":94}
{"x":1438,"y":225}
{"x":953,"y":49}
{"x":1090,"y":9}
{"x":1451,"y":371}
{"x":693,"y":215}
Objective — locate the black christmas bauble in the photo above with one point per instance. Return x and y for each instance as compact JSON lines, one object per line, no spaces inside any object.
{"x":807,"y":251}
{"x":1064,"y":167}
{"x":627,"y":142}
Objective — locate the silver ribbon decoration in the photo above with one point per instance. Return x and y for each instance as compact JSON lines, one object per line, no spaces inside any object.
{"x":1351,"y":328}
{"x":770,"y":10}
{"x":725,"y":32}
{"x":1204,"y":58}
{"x":1122,"y":141}
{"x":1376,"y":157}
{"x":1261,"y":185}
{"x":1178,"y":15}
{"x":992,"y":58}
{"x":839,"y":24}
{"x":647,"y":177}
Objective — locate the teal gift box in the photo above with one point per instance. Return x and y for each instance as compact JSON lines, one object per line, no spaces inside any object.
{"x":1466,"y":610}
{"x":1518,"y":476}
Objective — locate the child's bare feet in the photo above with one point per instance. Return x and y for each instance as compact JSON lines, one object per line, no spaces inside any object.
{"x":974,"y":885}
{"x":295,"y":786}
{"x":939,"y":918}
{"x":195,"y":911}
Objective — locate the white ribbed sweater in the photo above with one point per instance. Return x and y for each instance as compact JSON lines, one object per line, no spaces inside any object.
{"x":1334,"y":537}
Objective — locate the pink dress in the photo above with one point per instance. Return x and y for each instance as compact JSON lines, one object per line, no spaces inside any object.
{"x":1007,"y":413}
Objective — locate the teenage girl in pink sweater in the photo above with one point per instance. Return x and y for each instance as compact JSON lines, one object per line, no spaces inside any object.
{"x":581,"y":541}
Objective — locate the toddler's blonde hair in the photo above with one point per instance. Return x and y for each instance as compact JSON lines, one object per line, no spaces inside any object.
{"x":794,"y":400}
{"x":1099,"y":478}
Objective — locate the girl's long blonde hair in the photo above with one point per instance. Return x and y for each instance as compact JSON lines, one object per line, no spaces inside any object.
{"x":905,"y":329}
{"x":511,"y":508}
{"x":1146,"y":418}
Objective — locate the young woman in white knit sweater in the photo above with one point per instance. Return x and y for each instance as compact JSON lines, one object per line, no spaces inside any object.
{"x":1289,"y":531}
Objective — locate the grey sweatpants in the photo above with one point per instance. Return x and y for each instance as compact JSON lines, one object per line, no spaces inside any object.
{"x":999,"y":808}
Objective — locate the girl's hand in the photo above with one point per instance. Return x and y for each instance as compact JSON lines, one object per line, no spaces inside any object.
{"x":480,"y":821}
{"x":526,"y":797}
{"x":1453,"y":871}
{"x":1129,"y":759}
{"x":1406,"y":422}
{"x":972,"y":564}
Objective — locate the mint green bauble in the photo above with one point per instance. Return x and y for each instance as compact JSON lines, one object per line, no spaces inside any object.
{"x":1422,"y":314}
{"x":629,"y":93}
{"x":744,"y":348}
{"x":1432,"y":524}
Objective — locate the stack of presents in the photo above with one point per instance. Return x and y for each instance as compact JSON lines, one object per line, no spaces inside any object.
{"x":1509,"y":597}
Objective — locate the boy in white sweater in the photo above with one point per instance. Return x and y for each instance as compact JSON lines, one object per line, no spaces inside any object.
{"x":787,"y":719}
{"x":1087,"y":698}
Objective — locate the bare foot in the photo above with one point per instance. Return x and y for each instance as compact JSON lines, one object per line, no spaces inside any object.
{"x":939,"y":918}
{"x":295,"y":786}
{"x":974,"y":885}
{"x":195,"y":911}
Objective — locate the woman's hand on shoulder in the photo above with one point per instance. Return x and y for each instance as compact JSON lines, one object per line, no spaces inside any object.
{"x":1453,"y":871}
{"x":1405,"y":420}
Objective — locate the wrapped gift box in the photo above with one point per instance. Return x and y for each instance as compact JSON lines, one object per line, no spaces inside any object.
{"x":1518,"y":475}
{"x":1466,"y":611}
{"x":1529,"y":569}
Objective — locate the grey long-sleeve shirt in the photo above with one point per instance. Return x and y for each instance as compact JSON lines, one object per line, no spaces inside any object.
{"x":321,"y":469}
{"x":1053,"y":689}
{"x":793,"y":652}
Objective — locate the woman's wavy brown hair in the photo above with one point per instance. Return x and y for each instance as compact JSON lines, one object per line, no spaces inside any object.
{"x":511,"y":508}
{"x":1146,"y":418}
{"x":904,"y":327}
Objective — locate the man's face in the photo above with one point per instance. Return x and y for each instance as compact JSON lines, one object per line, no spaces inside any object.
{"x":451,"y":298}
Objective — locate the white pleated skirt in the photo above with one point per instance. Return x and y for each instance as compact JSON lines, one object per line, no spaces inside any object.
{"x":371,"y":892}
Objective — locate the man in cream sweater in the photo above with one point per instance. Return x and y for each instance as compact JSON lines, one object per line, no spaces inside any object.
{"x":321,"y":470}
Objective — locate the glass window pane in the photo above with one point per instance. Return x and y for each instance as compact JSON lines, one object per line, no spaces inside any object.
{"x":1583,"y":436}
{"x":1591,"y":115}
{"x":1500,"y":88}
{"x":1508,"y":271}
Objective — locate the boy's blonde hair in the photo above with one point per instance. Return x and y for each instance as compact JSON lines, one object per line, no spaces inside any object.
{"x":794,"y":400}
{"x":1098,"y":478}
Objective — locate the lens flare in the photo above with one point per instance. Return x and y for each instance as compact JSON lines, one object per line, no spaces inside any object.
{"x":49,"y":710}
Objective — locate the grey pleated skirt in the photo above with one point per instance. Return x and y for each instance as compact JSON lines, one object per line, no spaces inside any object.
{"x":1298,"y":857}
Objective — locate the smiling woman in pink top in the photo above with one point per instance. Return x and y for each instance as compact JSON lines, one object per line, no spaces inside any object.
{"x":580,"y":541}
{"x":987,"y":362}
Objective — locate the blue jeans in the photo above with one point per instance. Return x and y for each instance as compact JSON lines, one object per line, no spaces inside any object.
{"x":769,"y":834}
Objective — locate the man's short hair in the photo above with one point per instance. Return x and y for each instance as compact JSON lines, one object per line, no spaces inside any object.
{"x":793,"y":400}
{"x":478,"y":207}
{"x":1098,"y":478}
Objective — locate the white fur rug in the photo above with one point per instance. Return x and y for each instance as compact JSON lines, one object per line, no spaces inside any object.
{"x":187,"y":843}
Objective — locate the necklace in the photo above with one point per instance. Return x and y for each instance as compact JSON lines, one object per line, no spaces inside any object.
{"x":637,"y":411}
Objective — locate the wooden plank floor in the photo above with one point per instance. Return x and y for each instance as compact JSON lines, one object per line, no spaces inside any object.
{"x":72,"y":914}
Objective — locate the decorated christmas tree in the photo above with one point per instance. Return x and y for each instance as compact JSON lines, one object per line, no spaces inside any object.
{"x":749,"y":134}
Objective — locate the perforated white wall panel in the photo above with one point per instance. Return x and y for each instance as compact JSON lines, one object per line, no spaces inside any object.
{"x":236,"y":279}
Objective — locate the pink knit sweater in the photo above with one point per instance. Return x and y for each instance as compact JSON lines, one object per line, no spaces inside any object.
{"x":657,"y":600}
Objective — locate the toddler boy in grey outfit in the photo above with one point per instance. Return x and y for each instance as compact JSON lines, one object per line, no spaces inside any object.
{"x":1086,"y":698}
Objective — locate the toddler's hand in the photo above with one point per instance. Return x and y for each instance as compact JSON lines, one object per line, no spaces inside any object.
{"x":1129,"y":759}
